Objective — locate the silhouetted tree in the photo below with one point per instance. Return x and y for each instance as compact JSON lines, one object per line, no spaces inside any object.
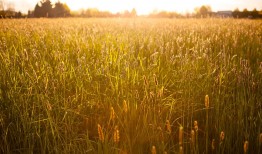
{"x":236,"y":13}
{"x":44,"y":9}
{"x":38,"y":11}
{"x":245,"y":13}
{"x":61,"y":10}
{"x":47,"y":7}
{"x":255,"y":13}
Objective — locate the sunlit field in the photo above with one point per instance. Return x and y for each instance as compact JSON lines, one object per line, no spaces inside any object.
{"x":131,"y":86}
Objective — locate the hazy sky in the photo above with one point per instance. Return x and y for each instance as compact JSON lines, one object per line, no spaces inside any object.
{"x":145,"y":6}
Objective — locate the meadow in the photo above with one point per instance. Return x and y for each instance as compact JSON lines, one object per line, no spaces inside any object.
{"x":131,"y":86}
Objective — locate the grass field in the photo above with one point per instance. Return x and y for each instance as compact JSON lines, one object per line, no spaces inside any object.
{"x":131,"y":86}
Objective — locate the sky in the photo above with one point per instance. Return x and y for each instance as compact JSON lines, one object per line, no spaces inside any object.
{"x":144,"y":6}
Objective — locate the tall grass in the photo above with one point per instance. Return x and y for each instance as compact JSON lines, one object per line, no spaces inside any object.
{"x":113,"y":85}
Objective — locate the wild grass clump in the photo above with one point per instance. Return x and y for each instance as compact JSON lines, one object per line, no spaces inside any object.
{"x":130,"y":86}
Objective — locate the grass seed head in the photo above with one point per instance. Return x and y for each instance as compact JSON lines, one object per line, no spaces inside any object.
{"x":207,"y":101}
{"x":155,"y":79}
{"x":245,"y":146}
{"x":125,"y":108}
{"x":196,"y":126}
{"x":153,"y":150}
{"x":168,"y":127}
{"x":181,"y":150}
{"x":160,"y":92}
{"x":112,"y":114}
{"x":145,"y":81}
{"x":116,"y":135}
{"x":222,"y":136}
{"x":180,"y":135}
{"x":193,"y":137}
{"x":100,"y":133}
{"x":213,"y":144}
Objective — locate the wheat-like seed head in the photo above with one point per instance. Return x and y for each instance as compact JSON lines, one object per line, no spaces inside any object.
{"x":196,"y":126}
{"x":145,"y":81}
{"x":181,"y":150}
{"x":125,"y":108}
{"x":213,"y":144}
{"x":222,"y":136}
{"x":155,"y":79}
{"x":100,"y":133}
{"x":168,"y":127}
{"x":245,"y":146}
{"x":193,"y":137}
{"x":116,"y":135}
{"x":180,"y":135}
{"x":207,"y":101}
{"x":112,"y":113}
{"x":153,"y":150}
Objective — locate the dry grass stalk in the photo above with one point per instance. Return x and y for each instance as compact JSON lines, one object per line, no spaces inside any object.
{"x":153,"y":150}
{"x":245,"y":146}
{"x":168,"y":127}
{"x":180,"y":136}
{"x":116,"y":135}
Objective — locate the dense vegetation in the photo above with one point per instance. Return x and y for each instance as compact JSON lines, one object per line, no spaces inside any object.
{"x":130,"y":86}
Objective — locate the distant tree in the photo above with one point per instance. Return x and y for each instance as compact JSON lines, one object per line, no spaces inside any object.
{"x":44,"y":9}
{"x":245,"y":13}
{"x":38,"y":11}
{"x":133,"y":12}
{"x":18,"y":14}
{"x":47,"y":8}
{"x":61,"y":10}
{"x":203,"y":11}
{"x":236,"y":13}
{"x":255,"y":13}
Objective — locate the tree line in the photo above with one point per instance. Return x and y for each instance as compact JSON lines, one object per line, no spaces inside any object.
{"x":246,"y":14}
{"x":45,"y":8}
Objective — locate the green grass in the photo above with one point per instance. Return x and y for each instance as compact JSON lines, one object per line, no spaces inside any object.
{"x":60,"y":78}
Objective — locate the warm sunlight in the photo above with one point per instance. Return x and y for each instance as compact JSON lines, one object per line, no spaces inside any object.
{"x":146,"y":6}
